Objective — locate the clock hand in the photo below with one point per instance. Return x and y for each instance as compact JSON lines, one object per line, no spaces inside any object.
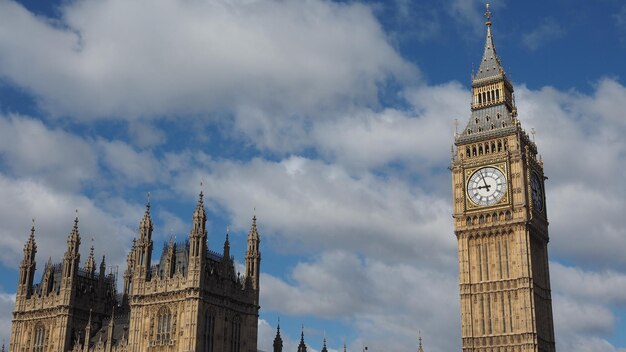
{"x":485,"y":186}
{"x":483,"y":177}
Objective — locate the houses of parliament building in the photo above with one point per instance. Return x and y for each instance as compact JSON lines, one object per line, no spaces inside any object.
{"x":193,"y":299}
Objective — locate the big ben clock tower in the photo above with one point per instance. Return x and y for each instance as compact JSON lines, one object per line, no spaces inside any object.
{"x":500,"y":221}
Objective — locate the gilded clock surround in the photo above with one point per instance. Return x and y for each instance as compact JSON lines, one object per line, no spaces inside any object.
{"x":469,"y":204}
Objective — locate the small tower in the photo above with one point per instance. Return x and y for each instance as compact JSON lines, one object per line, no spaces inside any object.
{"x":90,"y":265}
{"x":253,"y":255}
{"x":143,"y":247}
{"x":197,"y":242}
{"x":278,"y":341}
{"x":27,"y":266}
{"x":71,"y":259}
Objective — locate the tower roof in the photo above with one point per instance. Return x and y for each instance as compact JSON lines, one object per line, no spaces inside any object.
{"x":493,"y":106}
{"x":490,"y":65}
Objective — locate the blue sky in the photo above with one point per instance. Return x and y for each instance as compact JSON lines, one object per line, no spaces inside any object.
{"x":334,"y":120}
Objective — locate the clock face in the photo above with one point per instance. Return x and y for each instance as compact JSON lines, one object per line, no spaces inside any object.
{"x":486,"y":186}
{"x":536,"y":191}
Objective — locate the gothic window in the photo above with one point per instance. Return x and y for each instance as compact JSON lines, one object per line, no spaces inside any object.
{"x":236,"y":334}
{"x":209,"y":328}
{"x":498,"y":94}
{"x":164,"y":324}
{"x":40,"y":336}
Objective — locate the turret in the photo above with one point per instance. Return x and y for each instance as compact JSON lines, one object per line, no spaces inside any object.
{"x":253,"y":255}
{"x":128,"y":274}
{"x":143,"y":247}
{"x":28,"y":265}
{"x":197,"y":242}
{"x":71,"y":259}
{"x":90,"y":265}
{"x":278,"y":341}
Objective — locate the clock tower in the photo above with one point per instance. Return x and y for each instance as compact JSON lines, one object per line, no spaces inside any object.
{"x":500,"y":221}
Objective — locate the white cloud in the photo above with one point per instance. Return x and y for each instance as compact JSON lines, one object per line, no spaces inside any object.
{"x":580,"y":137}
{"x":419,"y":137}
{"x":130,"y":165}
{"x":32,"y":150}
{"x":311,"y":203}
{"x":154,"y":58}
{"x":542,"y":34}
{"x":387,"y":303}
{"x":7,"y":302}
{"x":54,"y":212}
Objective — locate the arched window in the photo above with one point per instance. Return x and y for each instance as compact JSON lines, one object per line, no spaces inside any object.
{"x":40,"y":337}
{"x":164,"y":324}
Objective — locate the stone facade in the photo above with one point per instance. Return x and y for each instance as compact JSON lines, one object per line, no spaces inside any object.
{"x":500,"y":222}
{"x":192,"y":300}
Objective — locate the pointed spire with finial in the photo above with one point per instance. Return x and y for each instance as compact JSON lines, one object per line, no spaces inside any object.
{"x":324,"y":349}
{"x":493,"y":104}
{"x":253,"y":254}
{"x":30,"y":247}
{"x":302,"y":345}
{"x":278,"y":340}
{"x":345,"y":348}
{"x":199,"y":217}
{"x":73,"y":242}
{"x":227,"y":244}
{"x":90,"y":266}
{"x":490,"y":65}
{"x":146,"y":226}
{"x":419,"y":348}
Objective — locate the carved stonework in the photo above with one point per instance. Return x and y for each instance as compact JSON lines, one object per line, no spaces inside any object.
{"x":191,"y":298}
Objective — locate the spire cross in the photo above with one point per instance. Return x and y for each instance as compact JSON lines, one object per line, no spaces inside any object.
{"x":488,"y":16}
{"x":456,"y":127}
{"x":532,"y":132}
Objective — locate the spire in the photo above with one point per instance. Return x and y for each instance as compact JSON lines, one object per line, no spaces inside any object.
{"x":146,"y":226}
{"x":345,"y":349}
{"x":490,"y":66}
{"x":199,"y":218}
{"x":253,"y":255}
{"x":493,"y":103}
{"x":90,"y":266}
{"x":302,"y":345}
{"x":73,"y":241}
{"x":419,"y":348}
{"x":278,"y":341}
{"x":324,"y":349}
{"x":30,"y":247}
{"x":227,"y":245}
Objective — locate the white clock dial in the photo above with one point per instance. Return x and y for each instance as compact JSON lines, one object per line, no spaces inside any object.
{"x":536,"y":191}
{"x":486,"y":186}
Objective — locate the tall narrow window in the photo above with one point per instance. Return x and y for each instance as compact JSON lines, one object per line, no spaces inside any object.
{"x":209,"y":327}
{"x":236,"y":334}
{"x":40,"y":337}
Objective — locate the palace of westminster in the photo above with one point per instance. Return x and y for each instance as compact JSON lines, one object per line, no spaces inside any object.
{"x":193,"y":299}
